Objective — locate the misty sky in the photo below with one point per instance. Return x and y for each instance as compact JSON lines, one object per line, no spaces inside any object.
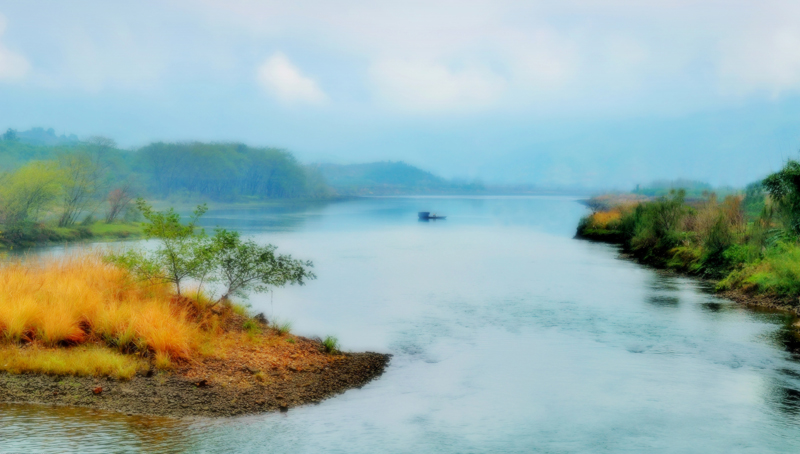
{"x":582,"y":93}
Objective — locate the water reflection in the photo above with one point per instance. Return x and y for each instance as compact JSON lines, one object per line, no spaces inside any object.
{"x":663,"y":301}
{"x":714,"y":306}
{"x":33,"y":428}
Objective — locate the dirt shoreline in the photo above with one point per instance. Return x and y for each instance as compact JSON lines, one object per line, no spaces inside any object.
{"x":240,"y":390}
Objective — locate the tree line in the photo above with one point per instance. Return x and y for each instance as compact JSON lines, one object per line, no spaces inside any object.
{"x":77,"y":181}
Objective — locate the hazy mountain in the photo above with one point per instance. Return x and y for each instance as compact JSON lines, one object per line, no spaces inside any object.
{"x":388,"y":178}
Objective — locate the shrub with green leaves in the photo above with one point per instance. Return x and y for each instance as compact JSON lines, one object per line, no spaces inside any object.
{"x":184,"y":251}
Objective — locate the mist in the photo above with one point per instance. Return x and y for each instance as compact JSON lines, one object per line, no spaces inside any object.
{"x":582,"y":95}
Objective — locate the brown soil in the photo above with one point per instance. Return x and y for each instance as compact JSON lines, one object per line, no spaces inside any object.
{"x":249,"y":374}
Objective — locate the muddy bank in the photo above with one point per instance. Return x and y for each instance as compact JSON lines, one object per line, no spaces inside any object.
{"x":214,"y":387}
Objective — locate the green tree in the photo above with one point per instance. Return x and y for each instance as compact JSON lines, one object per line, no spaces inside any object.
{"x":244,"y":265}
{"x":10,"y":135}
{"x":182,"y":252}
{"x":28,"y":191}
{"x":784,"y":189}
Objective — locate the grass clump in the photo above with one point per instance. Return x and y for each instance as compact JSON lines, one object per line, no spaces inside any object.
{"x":282,"y":328}
{"x":252,"y":326}
{"x":82,"y":360}
{"x":330,"y":344}
{"x":162,"y":361}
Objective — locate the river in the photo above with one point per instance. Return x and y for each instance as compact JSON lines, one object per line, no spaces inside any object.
{"x":508,"y":336}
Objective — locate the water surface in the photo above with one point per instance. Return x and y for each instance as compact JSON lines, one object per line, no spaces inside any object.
{"x":508,"y":335}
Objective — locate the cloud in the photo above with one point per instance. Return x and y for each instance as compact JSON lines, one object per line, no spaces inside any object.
{"x":286,"y":82}
{"x":766,"y":60}
{"x":431,"y":86}
{"x":13,"y":66}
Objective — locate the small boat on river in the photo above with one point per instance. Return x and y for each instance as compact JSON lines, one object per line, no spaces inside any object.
{"x":427,"y":215}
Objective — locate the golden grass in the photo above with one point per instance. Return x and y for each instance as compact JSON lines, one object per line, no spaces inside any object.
{"x":83,"y":360}
{"x":80,"y":298}
{"x":601,"y":219}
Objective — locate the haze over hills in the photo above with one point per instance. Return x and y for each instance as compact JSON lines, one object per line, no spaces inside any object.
{"x":389,"y":178}
{"x":232,"y":171}
{"x":223,"y":171}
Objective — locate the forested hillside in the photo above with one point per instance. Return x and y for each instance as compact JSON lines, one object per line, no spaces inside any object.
{"x":225,"y":171}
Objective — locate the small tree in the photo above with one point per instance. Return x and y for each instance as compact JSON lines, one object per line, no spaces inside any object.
{"x":27,"y":191}
{"x":82,"y":180}
{"x":10,"y":135}
{"x":118,"y":200}
{"x":182,"y":252}
{"x":247,"y":266}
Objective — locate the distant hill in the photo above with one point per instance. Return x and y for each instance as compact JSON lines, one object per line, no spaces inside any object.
{"x":389,"y":178}
{"x":694,"y":189}
{"x":45,"y":137}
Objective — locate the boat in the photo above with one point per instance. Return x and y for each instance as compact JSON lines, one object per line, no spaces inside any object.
{"x":427,"y":215}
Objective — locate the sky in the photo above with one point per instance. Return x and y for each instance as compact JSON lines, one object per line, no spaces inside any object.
{"x":568,"y":93}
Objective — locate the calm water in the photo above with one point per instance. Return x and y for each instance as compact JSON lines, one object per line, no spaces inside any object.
{"x":507,"y":335}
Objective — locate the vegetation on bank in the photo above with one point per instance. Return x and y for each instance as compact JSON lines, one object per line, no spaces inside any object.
{"x":117,"y":313}
{"x":748,"y":241}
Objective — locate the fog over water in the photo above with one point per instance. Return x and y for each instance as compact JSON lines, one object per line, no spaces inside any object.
{"x":508,"y":335}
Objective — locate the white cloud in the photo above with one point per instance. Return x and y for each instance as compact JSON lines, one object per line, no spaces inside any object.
{"x":582,"y":54}
{"x":430,"y":86}
{"x":13,"y":66}
{"x":286,"y":82}
{"x":765,"y":60}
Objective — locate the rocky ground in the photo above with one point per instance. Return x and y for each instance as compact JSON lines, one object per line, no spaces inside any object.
{"x":272,"y":373}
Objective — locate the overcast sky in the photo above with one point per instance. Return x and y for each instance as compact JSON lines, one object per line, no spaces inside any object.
{"x":587,"y":93}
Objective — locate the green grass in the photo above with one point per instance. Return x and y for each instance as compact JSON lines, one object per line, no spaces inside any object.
{"x":252,"y":327}
{"x":83,"y":361}
{"x":778,"y":273}
{"x":44,"y":233}
{"x":116,"y":229}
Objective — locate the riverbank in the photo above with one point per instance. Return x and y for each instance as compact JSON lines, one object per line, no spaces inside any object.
{"x":42,"y":234}
{"x":79,"y":330}
{"x":269,"y":373}
{"x":746,"y":259}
